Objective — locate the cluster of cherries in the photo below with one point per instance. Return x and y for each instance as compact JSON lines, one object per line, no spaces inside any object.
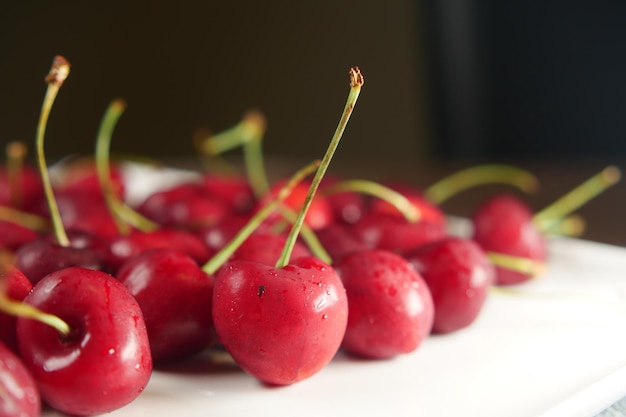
{"x":282,"y":276}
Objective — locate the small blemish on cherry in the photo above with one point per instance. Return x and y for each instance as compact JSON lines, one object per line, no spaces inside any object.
{"x":261,"y":290}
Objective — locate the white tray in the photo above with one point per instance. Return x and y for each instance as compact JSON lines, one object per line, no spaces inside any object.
{"x":553,"y":347}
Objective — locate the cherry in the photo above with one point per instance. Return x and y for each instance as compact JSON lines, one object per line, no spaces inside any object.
{"x":187,"y":206}
{"x":284,"y":323}
{"x":14,"y":286}
{"x":339,"y":241}
{"x":390,"y":306}
{"x":232,"y":189}
{"x":80,"y":176}
{"x":459,"y":275}
{"x":104,"y":361}
{"x":347,"y":206}
{"x":42,"y":256}
{"x":265,"y":247}
{"x":20,"y":184}
{"x":14,"y":235}
{"x":281,"y":325}
{"x":175,"y":297}
{"x":20,"y":396}
{"x":394,"y":233}
{"x":504,"y":225}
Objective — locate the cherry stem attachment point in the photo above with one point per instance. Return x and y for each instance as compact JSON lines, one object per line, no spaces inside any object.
{"x":459,"y":181}
{"x":356,"y":82}
{"x":410,"y":212}
{"x":577,"y":197}
{"x":58,"y":73}
{"x":255,"y":221}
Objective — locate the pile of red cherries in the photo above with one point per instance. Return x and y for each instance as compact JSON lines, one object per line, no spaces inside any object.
{"x":96,"y":291}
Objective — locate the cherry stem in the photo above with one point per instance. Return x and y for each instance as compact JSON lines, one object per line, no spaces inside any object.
{"x":249,"y":134}
{"x":123,"y":215}
{"x":22,"y":218}
{"x":255,"y":221}
{"x":517,"y":263}
{"x":356,"y":82}
{"x":21,"y":309}
{"x":308,"y":235}
{"x":410,"y":212}
{"x":16,"y":152}
{"x":464,"y":179}
{"x":572,"y":225}
{"x":577,"y":197}
{"x":58,"y":73}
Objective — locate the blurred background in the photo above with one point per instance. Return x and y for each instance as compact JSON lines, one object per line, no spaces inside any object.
{"x":448,"y":83}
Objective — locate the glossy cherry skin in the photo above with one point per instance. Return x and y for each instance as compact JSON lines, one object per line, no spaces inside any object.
{"x":43,"y":256}
{"x":127,"y":246}
{"x":105,"y":363}
{"x":17,"y":286}
{"x":394,"y":233}
{"x":281,"y":325}
{"x":390,"y":307}
{"x":339,"y":241}
{"x":12,"y":235}
{"x":175,"y":296}
{"x":20,"y":396}
{"x":503,"y":224}
{"x":458,"y":274}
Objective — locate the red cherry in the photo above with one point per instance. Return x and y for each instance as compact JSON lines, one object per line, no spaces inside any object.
{"x":105,"y":362}
{"x":281,"y":325}
{"x":81,"y":177}
{"x":127,"y":246}
{"x":13,"y":236}
{"x":30,"y":188}
{"x":234,"y":190}
{"x":188,"y":205}
{"x":348,"y":206}
{"x":20,"y":396}
{"x":394,"y":233}
{"x":339,"y":241}
{"x":16,"y":287}
{"x":504,"y":224}
{"x":458,"y":274}
{"x":175,"y":297}
{"x":390,"y":306}
{"x":40,"y":257}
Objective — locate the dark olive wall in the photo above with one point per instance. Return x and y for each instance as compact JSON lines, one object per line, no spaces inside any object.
{"x":188,"y":65}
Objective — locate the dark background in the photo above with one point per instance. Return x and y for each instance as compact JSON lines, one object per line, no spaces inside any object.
{"x":486,"y":79}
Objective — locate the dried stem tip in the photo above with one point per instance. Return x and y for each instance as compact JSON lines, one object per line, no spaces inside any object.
{"x":59,"y":71}
{"x":356,"y":78}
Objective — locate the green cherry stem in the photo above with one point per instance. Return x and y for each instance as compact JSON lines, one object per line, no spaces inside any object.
{"x":464,"y":179}
{"x":517,"y":263}
{"x":21,"y":309}
{"x":308,"y":235}
{"x":16,"y":152}
{"x":356,"y":82}
{"x":255,"y":221}
{"x":25,"y":219}
{"x":123,"y":215}
{"x":248,"y":133}
{"x":400,"y":202}
{"x":572,"y":225}
{"x":577,"y":197}
{"x":58,"y":73}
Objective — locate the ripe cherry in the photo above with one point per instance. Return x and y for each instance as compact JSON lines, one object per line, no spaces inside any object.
{"x":103,"y":362}
{"x":390,"y":306}
{"x":20,"y":396}
{"x":459,"y":275}
{"x":14,"y":286}
{"x":175,"y":298}
{"x":20,"y":184}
